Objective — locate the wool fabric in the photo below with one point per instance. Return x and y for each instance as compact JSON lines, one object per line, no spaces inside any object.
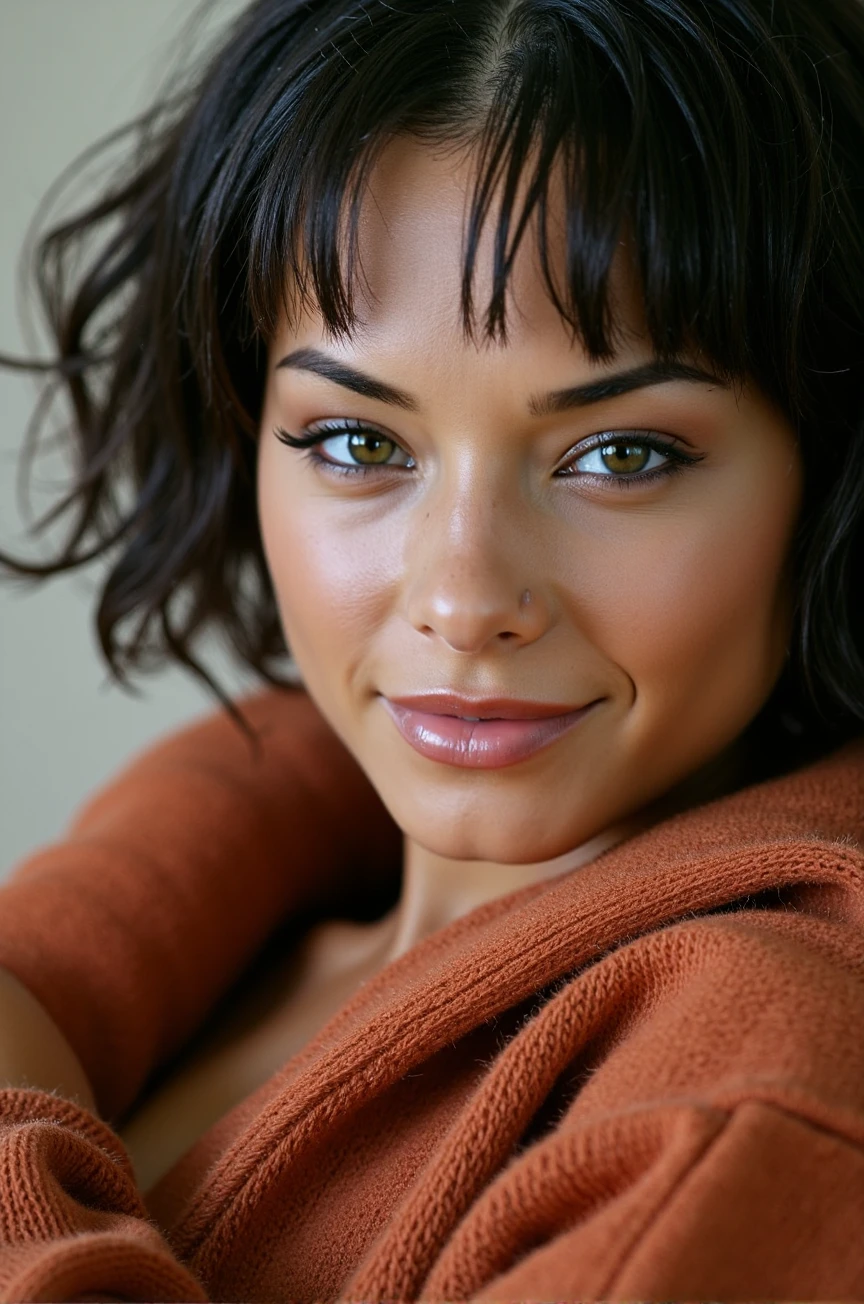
{"x":642,"y":1079}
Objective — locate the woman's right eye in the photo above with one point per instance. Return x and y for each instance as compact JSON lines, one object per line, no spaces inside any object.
{"x":350,"y":448}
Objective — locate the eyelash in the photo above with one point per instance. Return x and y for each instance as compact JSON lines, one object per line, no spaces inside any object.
{"x":678,"y":461}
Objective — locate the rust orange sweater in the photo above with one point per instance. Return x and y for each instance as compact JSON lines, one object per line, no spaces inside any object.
{"x":640,"y":1080}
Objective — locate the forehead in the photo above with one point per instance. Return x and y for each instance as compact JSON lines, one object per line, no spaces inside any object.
{"x":411,"y":242}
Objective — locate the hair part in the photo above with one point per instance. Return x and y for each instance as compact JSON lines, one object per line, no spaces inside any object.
{"x":725,"y":139}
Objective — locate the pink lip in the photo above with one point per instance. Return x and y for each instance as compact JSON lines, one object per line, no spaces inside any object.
{"x":506,"y":732}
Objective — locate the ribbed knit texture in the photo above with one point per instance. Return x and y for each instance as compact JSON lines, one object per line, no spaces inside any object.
{"x":641,"y":1080}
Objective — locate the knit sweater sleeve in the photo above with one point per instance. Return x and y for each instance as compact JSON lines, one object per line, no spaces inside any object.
{"x":172,"y":876}
{"x":73,"y":1225}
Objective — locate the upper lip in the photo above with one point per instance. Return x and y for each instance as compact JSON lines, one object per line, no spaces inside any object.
{"x":486,"y":708}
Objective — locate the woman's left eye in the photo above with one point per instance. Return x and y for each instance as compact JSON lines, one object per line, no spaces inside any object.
{"x":626,"y":458}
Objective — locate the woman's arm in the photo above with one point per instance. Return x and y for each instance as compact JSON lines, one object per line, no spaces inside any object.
{"x":33,"y":1050}
{"x":168,"y":882}
{"x":117,"y":940}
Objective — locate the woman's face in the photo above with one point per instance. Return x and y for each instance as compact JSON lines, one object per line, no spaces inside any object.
{"x":486,"y":528}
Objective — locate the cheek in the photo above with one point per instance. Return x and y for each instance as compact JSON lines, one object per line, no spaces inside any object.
{"x":332,"y":577}
{"x":701,"y":601}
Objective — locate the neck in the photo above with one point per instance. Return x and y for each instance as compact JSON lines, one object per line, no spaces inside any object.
{"x":436,"y":890}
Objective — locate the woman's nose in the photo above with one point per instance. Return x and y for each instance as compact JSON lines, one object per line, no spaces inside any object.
{"x":470,"y":582}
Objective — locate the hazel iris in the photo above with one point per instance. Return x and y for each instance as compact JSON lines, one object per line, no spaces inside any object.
{"x":625,"y":457}
{"x":369,"y":448}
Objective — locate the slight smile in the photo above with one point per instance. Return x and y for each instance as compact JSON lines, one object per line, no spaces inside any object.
{"x":481,"y":735}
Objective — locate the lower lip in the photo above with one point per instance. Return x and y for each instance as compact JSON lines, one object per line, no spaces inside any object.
{"x":480,"y":744}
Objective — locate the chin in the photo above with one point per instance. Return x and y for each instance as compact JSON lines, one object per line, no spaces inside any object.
{"x":483,"y":837}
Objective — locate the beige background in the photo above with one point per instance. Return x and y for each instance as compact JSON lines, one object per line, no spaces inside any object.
{"x":70,"y":70}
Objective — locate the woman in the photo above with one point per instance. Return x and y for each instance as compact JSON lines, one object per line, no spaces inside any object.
{"x":506,"y":359}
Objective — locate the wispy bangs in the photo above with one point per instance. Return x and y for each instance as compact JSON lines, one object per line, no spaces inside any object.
{"x":609,"y":121}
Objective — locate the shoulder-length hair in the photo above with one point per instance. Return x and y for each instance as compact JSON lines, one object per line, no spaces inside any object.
{"x":725,"y":136}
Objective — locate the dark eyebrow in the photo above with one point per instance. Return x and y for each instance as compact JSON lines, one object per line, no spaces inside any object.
{"x":623,"y":382}
{"x":559,"y":400}
{"x":341,"y":374}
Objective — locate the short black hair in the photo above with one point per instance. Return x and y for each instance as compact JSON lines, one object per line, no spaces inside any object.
{"x":724,"y":137}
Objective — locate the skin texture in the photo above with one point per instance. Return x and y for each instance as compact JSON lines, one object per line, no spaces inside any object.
{"x":669,"y":600}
